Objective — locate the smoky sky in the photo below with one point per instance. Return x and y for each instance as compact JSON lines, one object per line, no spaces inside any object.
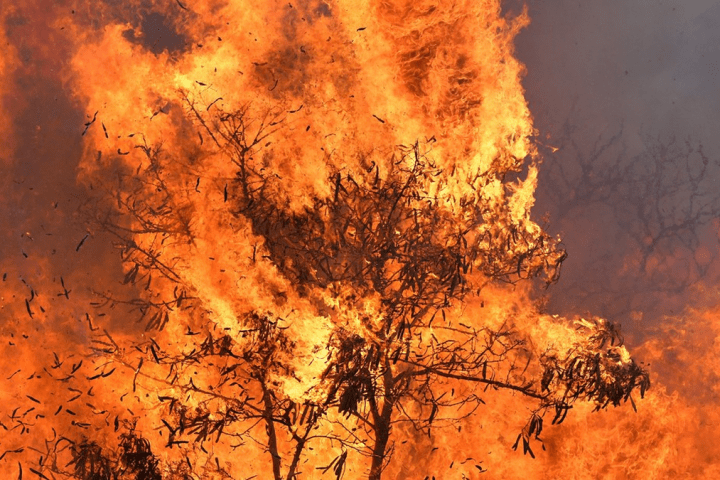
{"x":629,"y":75}
{"x":651,"y":64}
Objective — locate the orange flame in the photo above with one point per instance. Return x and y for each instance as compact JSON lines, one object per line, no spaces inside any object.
{"x":351,"y":84}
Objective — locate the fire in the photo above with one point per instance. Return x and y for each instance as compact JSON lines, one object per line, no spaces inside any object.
{"x":328,"y":267}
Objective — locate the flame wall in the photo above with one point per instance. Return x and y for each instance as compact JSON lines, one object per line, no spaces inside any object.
{"x":349,"y":80}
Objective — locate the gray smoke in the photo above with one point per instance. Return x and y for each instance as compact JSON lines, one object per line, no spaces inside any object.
{"x":629,"y":91}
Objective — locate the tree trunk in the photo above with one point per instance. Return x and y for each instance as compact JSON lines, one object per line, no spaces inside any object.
{"x":382,"y":436}
{"x":382,"y":426}
{"x":272,"y":435}
{"x":296,"y":460}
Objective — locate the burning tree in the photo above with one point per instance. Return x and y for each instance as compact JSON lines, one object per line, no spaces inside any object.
{"x":383,"y":262}
{"x":324,"y":257}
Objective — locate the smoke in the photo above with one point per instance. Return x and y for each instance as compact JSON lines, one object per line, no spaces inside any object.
{"x":613,"y":85}
{"x":649,"y":66}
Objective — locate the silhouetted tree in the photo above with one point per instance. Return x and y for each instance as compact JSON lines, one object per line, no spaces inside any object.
{"x":657,"y":202}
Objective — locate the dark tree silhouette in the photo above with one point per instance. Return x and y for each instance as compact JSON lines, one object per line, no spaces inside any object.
{"x":657,"y":202}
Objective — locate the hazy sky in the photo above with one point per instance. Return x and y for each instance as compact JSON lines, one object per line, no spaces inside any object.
{"x":645,"y":69}
{"x":653,"y":64}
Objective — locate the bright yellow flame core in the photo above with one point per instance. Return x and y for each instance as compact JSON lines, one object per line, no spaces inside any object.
{"x":348,"y":79}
